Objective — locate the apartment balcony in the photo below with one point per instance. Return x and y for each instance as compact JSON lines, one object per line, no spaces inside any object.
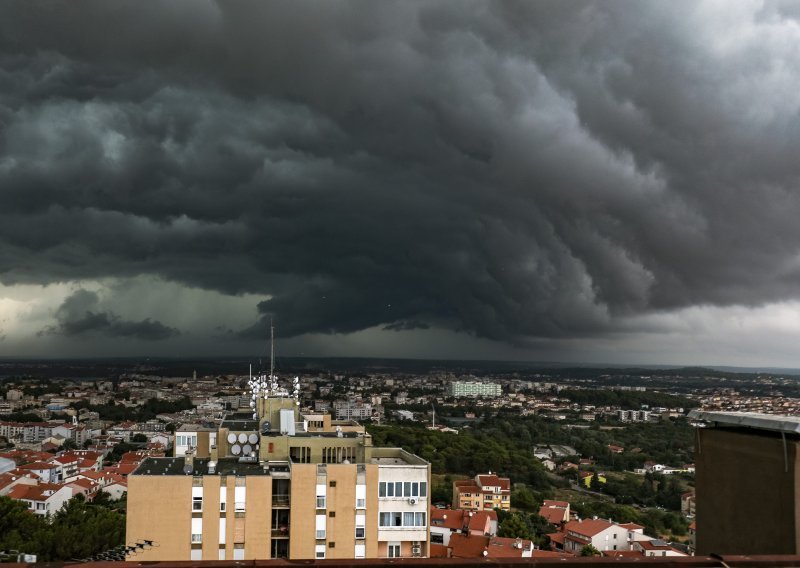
{"x":280,"y":532}
{"x":280,"y":501}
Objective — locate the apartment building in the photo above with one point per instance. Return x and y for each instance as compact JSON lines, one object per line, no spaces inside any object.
{"x":279,"y":484}
{"x":473,"y":388}
{"x":485,"y":491}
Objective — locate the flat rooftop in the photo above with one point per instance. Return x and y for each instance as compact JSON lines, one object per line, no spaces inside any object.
{"x":770,"y":422}
{"x":175,"y":466}
{"x":238,"y":424}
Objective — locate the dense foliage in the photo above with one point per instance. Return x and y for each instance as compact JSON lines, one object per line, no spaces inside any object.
{"x":79,"y":530}
{"x":149,"y":410}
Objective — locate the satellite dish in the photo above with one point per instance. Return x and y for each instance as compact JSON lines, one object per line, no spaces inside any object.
{"x":252,"y":438}
{"x":252,"y":404}
{"x":231,"y":438}
{"x":247,"y":449}
{"x":188,"y":469}
{"x":236,"y":449}
{"x":265,"y":427}
{"x":242,"y":438}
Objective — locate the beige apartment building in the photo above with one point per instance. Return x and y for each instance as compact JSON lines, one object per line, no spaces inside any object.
{"x":280,"y":484}
{"x":484,"y":492}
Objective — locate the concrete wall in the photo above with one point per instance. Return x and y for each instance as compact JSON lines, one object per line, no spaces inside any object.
{"x":746,"y":498}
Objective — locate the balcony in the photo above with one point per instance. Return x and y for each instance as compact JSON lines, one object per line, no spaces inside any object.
{"x":280,"y":500}
{"x":280,"y":532}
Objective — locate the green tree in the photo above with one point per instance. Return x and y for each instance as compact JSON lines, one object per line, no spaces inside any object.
{"x":589,"y":550}
{"x":523,"y":498}
{"x":139,"y":438}
{"x":594,"y":483}
{"x":514,"y":526}
{"x":18,"y":527}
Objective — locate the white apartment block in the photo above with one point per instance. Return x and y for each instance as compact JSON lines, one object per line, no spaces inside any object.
{"x":473,"y":388}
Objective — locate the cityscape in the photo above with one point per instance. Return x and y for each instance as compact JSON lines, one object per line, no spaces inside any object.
{"x":424,"y":283}
{"x":427,"y":463}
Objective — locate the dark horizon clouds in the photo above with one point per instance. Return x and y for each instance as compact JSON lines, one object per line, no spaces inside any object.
{"x":522,"y":172}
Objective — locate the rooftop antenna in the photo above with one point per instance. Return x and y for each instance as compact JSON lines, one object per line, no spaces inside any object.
{"x":271,"y":349}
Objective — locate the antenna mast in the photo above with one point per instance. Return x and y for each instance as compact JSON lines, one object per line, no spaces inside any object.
{"x":271,"y":350}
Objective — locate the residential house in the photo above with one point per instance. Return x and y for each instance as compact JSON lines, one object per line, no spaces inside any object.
{"x":655,"y":547}
{"x":485,"y":491}
{"x":600,"y":533}
{"x":555,"y":512}
{"x":42,"y":499}
{"x":446,"y":522}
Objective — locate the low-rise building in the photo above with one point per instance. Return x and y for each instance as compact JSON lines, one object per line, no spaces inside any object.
{"x":485,"y":491}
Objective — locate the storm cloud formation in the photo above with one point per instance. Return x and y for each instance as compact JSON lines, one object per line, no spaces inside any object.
{"x":514,"y":170}
{"x":78,"y":315}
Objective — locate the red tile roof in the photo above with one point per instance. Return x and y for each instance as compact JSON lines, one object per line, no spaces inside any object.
{"x":588,"y":527}
{"x":503,"y":483}
{"x":33,"y":492}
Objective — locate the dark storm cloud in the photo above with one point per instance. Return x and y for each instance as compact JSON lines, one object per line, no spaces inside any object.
{"x":79,"y":315}
{"x":510,"y":169}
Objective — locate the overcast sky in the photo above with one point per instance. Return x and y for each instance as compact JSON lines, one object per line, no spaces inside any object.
{"x":558,"y":181}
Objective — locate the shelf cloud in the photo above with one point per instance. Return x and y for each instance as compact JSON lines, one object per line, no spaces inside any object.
{"x":515,"y":171}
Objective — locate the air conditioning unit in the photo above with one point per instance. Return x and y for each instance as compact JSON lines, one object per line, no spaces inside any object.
{"x":416,"y":550}
{"x":412,"y":500}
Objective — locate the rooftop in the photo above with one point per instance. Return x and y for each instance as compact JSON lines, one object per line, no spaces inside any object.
{"x":771,"y":422}
{"x":175,"y":466}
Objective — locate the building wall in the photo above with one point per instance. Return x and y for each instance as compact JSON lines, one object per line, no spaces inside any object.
{"x":746,"y":493}
{"x":158,"y":510}
{"x":258,"y":517}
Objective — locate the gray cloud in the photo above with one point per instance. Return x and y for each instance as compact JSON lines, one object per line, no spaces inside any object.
{"x":79,"y":315}
{"x":514,"y":170}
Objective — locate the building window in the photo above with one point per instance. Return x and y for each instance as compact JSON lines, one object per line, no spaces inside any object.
{"x":394,"y":550}
{"x":197,"y":538}
{"x":382,"y":489}
{"x":197,"y":504}
{"x":222,"y":506}
{"x":331,"y":545}
{"x":332,"y":484}
{"x":320,"y":501}
{"x":360,"y":532}
{"x":332,"y":514}
{"x":319,"y":551}
{"x":361,"y":503}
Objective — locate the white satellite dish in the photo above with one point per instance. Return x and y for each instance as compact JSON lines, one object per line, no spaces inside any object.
{"x":247,"y":449}
{"x":242,"y":438}
{"x":231,"y":438}
{"x":236,"y":449}
{"x":253,"y":438}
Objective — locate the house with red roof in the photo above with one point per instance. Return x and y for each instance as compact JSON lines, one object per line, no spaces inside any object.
{"x":555,"y":512}
{"x":600,"y":533}
{"x":84,"y":486}
{"x":446,"y":522}
{"x":47,"y":472}
{"x":42,"y":499}
{"x":11,"y":479}
{"x":485,"y":491}
{"x":656,"y":547}
{"x":474,"y":546}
